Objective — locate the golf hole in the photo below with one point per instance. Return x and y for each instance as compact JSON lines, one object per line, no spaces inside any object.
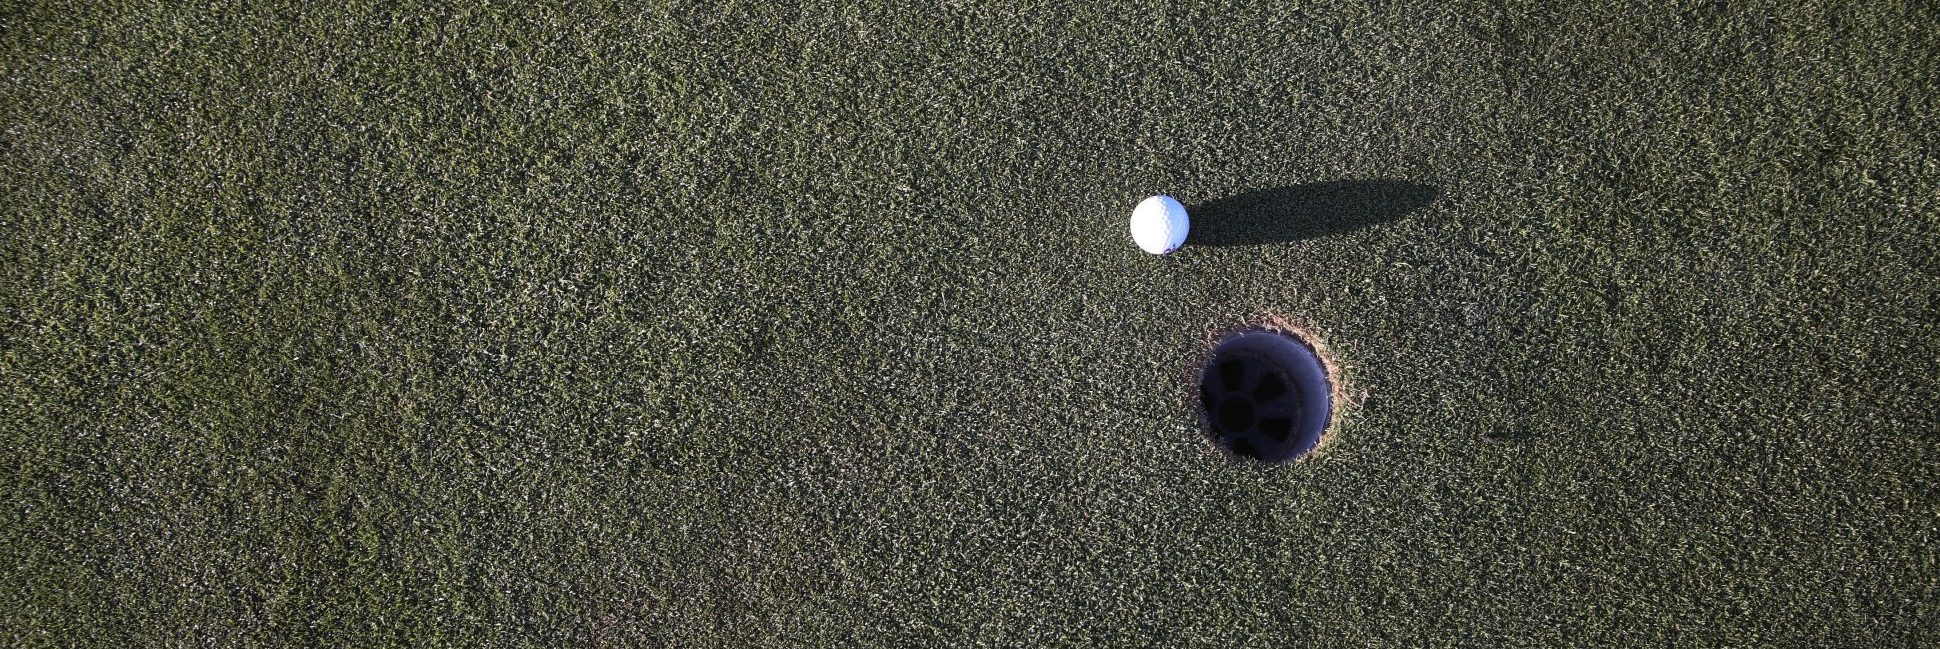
{"x":1265,"y":396}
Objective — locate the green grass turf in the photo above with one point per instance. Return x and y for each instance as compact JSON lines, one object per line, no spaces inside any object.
{"x":735,"y":325}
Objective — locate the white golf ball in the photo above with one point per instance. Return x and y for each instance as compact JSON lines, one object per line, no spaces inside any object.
{"x":1159,"y":224}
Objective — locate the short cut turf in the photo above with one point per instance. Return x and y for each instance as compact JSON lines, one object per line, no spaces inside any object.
{"x":767,"y":324}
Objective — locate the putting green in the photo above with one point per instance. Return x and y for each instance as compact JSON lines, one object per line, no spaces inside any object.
{"x":729,"y":324}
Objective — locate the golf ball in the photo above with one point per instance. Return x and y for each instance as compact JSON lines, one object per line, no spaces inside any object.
{"x":1159,"y":224}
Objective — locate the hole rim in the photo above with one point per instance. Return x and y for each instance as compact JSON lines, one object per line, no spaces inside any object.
{"x":1306,"y":403}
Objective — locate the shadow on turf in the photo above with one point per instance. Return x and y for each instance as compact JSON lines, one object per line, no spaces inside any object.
{"x":1306,"y":211}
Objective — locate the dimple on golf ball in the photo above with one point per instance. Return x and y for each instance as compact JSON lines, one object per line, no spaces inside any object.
{"x":1159,"y":224}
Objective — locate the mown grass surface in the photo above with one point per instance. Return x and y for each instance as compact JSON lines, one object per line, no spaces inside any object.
{"x":741,"y":325}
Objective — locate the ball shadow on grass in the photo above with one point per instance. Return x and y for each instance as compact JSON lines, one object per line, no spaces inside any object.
{"x":1306,"y":211}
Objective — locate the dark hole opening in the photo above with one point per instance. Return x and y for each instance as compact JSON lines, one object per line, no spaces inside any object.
{"x":1265,"y":396}
{"x":1276,"y":428}
{"x":1270,"y":388}
{"x":1236,"y":416}
{"x":1232,"y":372}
